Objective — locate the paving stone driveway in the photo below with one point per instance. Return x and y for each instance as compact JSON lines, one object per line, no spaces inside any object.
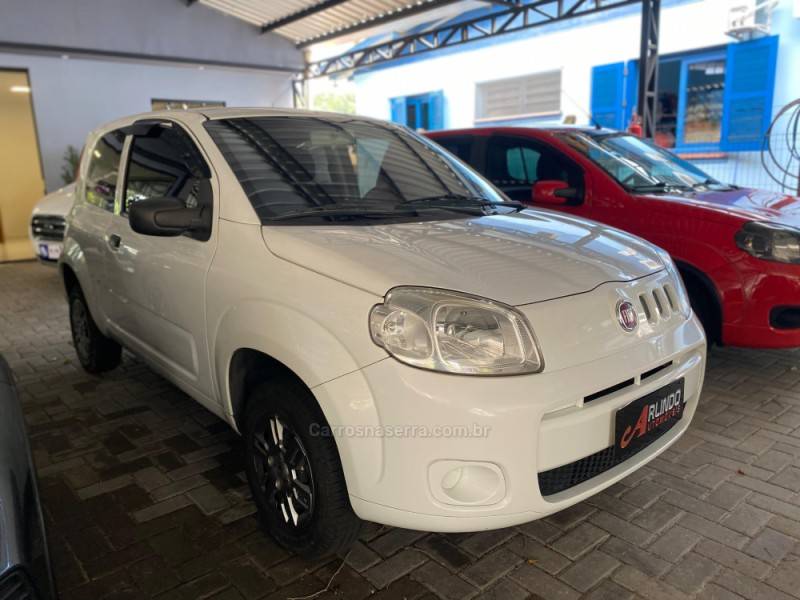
{"x":144,"y":495}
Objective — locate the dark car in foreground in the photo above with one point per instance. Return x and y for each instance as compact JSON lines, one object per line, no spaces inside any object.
{"x":25,"y":572}
{"x":737,"y":249}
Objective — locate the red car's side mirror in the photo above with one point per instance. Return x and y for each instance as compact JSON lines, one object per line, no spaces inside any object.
{"x":552,"y":191}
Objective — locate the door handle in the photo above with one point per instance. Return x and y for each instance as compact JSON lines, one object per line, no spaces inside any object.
{"x":114,"y":241}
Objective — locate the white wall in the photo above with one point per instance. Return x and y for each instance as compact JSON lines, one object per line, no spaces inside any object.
{"x":73,"y":96}
{"x":575,"y":47}
{"x":153,"y":28}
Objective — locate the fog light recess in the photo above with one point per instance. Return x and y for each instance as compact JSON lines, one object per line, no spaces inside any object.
{"x":466,"y":483}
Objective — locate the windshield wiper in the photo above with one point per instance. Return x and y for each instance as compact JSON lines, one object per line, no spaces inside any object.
{"x":476,"y":202}
{"x":341,"y":211}
{"x":720,"y":187}
{"x":661,"y":186}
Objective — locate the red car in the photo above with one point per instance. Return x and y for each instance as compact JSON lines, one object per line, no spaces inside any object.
{"x":737,"y":249}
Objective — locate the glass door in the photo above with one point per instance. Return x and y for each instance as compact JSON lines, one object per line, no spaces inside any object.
{"x":700,"y":111}
{"x":21,"y":181}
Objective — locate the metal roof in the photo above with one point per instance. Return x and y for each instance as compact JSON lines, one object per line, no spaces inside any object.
{"x":309,"y":21}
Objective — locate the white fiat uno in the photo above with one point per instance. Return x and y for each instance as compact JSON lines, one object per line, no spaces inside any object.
{"x":393,"y":338}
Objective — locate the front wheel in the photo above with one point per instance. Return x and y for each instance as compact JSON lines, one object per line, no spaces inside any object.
{"x":295,"y":473}
{"x":96,"y":352}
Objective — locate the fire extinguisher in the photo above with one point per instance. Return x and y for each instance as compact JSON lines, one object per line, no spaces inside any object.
{"x":635,"y":126}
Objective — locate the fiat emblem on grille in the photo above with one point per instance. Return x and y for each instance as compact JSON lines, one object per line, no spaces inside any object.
{"x":626,"y":315}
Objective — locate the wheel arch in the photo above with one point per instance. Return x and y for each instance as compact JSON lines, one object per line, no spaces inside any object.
{"x":68,"y":277}
{"x":248,"y":367}
{"x":695,"y":279}
{"x":344,"y":403}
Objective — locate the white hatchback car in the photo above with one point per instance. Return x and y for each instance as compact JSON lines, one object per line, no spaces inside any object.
{"x":394,"y":339}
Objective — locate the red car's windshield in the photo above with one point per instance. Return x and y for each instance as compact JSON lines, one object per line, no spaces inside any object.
{"x":637,"y":164}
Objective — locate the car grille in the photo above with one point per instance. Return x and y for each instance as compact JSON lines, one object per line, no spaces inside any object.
{"x":16,"y":585}
{"x":659,"y":303}
{"x":569,"y":475}
{"x":49,"y":227}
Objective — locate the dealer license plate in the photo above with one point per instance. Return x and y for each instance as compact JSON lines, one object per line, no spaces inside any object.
{"x":49,"y":251}
{"x":645,"y":419}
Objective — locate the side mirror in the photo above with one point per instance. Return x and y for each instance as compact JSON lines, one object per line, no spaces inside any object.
{"x":167,"y":217}
{"x":552,"y":191}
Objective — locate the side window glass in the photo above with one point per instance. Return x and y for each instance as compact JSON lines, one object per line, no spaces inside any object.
{"x":103,"y":170}
{"x":165,"y":163}
{"x":521,"y":164}
{"x":514,"y":164}
{"x":462,"y":148}
{"x":511,"y":161}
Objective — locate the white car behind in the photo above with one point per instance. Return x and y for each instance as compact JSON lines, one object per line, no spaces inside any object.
{"x":48,"y":220}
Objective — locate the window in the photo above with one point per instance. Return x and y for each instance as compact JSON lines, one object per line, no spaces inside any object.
{"x":103,"y":170}
{"x":458,"y":146}
{"x":165,"y":163}
{"x":161,"y":104}
{"x":690,"y":98}
{"x":715,"y":99}
{"x":515,"y":164}
{"x":702,"y":118}
{"x":533,"y":95}
{"x":423,"y":112}
{"x":343,"y":168}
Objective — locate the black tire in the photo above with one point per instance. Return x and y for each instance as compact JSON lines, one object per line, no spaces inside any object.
{"x":96,"y":352}
{"x":315,"y":525}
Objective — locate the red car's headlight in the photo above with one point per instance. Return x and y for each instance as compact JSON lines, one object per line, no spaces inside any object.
{"x":770,"y":241}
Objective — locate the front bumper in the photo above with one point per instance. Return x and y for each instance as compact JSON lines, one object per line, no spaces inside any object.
{"x":762,"y":290}
{"x":503,"y":431}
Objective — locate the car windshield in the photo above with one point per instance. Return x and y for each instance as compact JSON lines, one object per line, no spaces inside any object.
{"x":339,"y":168}
{"x":639,"y":165}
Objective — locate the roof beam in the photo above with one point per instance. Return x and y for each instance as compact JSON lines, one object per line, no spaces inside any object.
{"x":398,"y":13}
{"x":526,"y":16}
{"x":300,"y":14}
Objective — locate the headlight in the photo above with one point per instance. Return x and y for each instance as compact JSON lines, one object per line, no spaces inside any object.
{"x":676,"y":287}
{"x":770,"y":241}
{"x":453,"y":332}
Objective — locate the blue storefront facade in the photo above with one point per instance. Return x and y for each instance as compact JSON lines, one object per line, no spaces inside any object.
{"x":717,"y":93}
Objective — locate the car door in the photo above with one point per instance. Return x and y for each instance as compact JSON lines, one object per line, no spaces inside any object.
{"x":158,"y":283}
{"x":515,"y":163}
{"x":92,"y":213}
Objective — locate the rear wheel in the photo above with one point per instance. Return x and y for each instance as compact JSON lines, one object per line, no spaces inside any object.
{"x":295,"y":473}
{"x":96,"y":352}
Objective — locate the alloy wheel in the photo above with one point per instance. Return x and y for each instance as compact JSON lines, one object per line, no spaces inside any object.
{"x":284,"y":472}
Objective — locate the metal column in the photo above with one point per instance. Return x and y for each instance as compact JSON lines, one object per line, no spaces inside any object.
{"x":300,"y":91}
{"x":648,"y":67}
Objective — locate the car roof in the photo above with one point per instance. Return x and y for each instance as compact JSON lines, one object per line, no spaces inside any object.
{"x":540,"y":129}
{"x":212,"y":113}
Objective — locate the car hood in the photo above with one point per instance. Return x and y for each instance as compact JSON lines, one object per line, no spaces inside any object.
{"x":757,"y":205}
{"x":58,"y":202}
{"x":517,"y":259}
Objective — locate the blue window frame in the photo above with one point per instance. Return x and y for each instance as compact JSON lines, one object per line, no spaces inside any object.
{"x":420,"y":112}
{"x":718,"y":99}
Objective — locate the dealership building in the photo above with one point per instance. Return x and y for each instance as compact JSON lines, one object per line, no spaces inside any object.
{"x":719,"y":82}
